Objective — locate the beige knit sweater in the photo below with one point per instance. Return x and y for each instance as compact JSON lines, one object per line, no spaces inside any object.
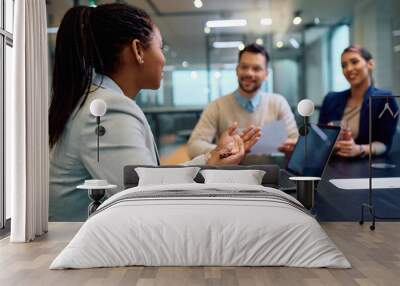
{"x":222,"y":112}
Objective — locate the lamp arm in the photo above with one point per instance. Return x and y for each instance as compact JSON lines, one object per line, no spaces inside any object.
{"x":305,"y":138}
{"x":98,"y":137}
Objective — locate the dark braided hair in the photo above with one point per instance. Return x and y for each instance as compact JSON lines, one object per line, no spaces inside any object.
{"x":90,"y":39}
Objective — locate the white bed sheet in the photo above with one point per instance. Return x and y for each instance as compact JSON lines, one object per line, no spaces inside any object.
{"x":200,"y":231}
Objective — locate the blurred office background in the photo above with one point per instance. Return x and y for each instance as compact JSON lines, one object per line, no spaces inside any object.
{"x":305,"y":39}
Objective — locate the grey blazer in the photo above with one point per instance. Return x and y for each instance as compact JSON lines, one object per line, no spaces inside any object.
{"x":128,"y":141}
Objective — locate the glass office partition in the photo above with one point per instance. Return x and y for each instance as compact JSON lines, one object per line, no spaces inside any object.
{"x":383,"y":200}
{"x":189,"y":87}
{"x":305,"y":54}
{"x":340,"y":39}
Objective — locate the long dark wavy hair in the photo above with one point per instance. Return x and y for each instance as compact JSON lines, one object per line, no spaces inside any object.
{"x":90,"y":39}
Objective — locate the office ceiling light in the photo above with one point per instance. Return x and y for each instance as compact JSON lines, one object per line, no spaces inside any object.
{"x":297,"y":18}
{"x":226,"y":23}
{"x":295,"y":44}
{"x":279,"y":44}
{"x":241,"y":46}
{"x":227,"y":45}
{"x":266,"y":21}
{"x":185,"y":64}
{"x":260,"y":42}
{"x":317,"y":21}
{"x":194,"y":75}
{"x":207,"y":30}
{"x":92,"y":3}
{"x":198,"y":4}
{"x":217,"y":75}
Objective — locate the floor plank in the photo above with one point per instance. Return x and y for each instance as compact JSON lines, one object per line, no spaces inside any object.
{"x":374,"y":255}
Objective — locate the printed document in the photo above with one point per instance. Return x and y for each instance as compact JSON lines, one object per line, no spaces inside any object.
{"x":273,"y":135}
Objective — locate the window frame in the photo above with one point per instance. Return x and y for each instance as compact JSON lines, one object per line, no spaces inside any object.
{"x":6,"y":39}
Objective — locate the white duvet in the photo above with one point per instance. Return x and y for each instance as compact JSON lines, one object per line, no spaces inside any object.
{"x":183,"y":231}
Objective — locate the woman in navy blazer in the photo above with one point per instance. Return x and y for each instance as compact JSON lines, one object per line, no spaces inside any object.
{"x":352,"y":106}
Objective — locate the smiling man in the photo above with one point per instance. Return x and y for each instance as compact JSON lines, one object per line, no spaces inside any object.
{"x":248,"y":105}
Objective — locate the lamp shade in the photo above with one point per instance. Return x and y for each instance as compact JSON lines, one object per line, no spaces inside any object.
{"x":305,"y":107}
{"x":98,"y":107}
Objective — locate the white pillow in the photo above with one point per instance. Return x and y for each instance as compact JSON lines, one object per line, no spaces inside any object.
{"x":166,"y":176}
{"x":248,"y":177}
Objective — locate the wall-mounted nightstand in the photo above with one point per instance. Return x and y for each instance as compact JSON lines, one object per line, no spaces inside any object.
{"x":96,"y":192}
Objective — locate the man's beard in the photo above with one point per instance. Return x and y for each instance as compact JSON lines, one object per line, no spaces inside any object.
{"x":254,"y":89}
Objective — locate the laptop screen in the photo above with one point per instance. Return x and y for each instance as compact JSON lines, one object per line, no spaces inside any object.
{"x":320,"y":142}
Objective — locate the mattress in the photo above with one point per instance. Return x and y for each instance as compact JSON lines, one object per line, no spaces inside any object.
{"x":201,"y":225}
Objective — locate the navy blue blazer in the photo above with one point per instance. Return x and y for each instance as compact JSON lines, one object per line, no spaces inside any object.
{"x":383,"y":128}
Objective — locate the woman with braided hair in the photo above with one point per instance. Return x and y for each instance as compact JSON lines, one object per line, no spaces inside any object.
{"x":109,"y":52}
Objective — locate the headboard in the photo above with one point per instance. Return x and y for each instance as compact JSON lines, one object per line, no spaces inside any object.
{"x":270,"y":179}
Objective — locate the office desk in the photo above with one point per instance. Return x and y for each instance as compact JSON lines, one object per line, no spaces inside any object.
{"x":334,"y":204}
{"x":155,"y":112}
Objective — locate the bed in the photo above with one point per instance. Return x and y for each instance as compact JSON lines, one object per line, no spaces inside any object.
{"x":201,"y":224}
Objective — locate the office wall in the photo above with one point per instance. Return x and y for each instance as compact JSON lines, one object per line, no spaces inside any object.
{"x":372,"y":29}
{"x":286,"y":79}
{"x":396,"y":47}
{"x":316,"y":57}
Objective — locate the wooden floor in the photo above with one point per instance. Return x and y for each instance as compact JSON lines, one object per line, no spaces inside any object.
{"x":375,"y":257}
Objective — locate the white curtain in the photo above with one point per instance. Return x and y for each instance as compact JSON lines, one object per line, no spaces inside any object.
{"x":27,"y":120}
